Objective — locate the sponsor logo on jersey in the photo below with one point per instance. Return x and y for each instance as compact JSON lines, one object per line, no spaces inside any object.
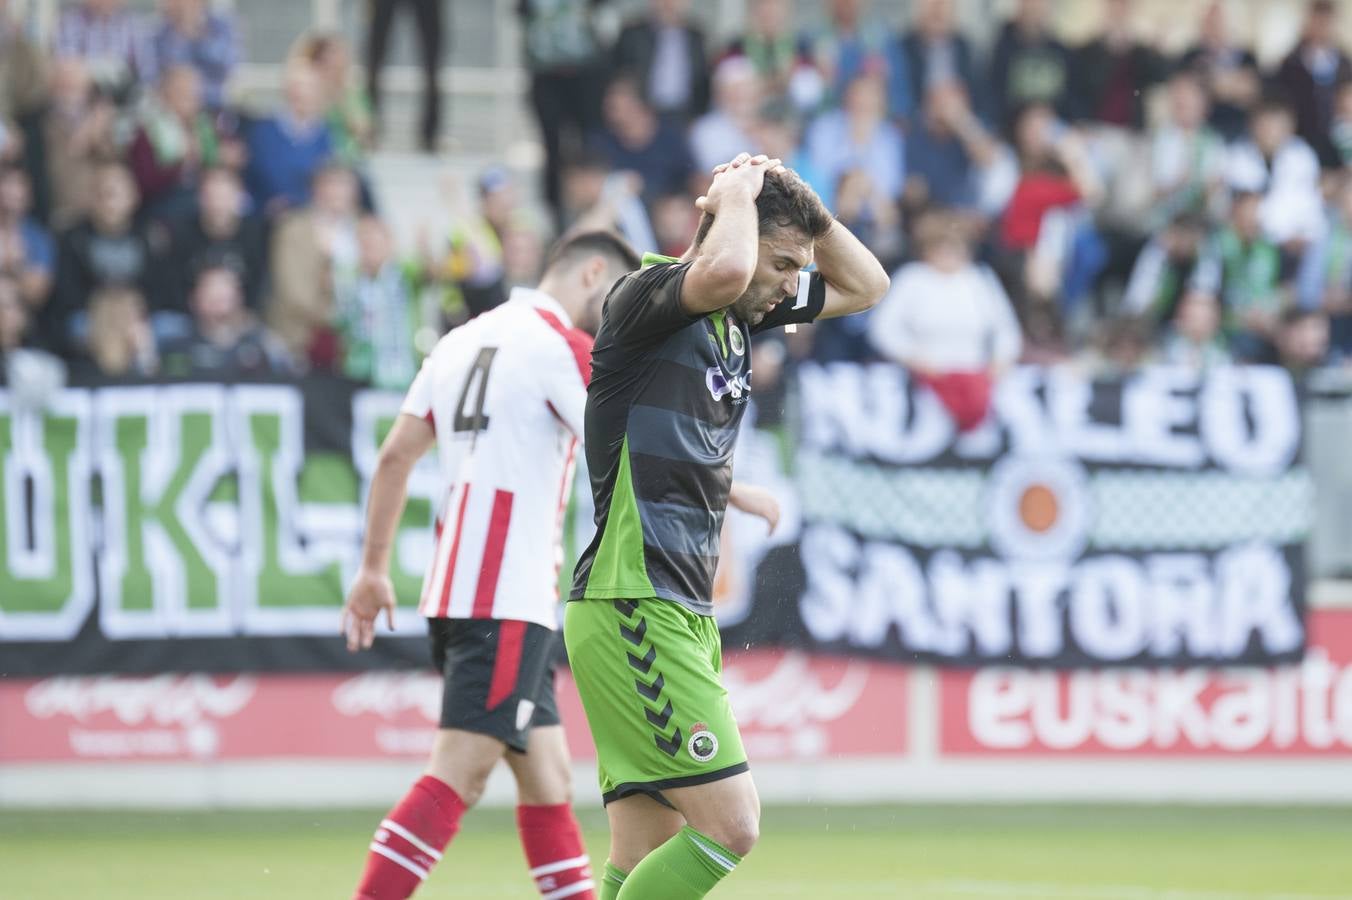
{"x":703,"y":745}
{"x":721,"y":385}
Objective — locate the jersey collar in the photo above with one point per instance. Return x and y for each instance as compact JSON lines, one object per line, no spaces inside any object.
{"x":540,"y":300}
{"x":652,"y":259}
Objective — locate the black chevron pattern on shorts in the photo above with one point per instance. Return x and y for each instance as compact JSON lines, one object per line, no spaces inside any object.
{"x":636,"y":633}
{"x":651,"y":691}
{"x":669,"y":747}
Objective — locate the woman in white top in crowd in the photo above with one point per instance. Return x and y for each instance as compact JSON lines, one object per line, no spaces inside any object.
{"x":948,"y":320}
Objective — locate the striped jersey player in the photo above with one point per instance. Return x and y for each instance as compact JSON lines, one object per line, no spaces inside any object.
{"x":502,"y":398}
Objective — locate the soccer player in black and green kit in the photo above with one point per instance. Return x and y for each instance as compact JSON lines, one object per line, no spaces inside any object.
{"x":671,"y":377}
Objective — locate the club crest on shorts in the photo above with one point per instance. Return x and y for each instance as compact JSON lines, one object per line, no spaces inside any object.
{"x":703,"y":746}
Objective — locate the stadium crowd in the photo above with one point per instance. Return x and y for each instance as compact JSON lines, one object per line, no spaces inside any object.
{"x":1102,"y":205}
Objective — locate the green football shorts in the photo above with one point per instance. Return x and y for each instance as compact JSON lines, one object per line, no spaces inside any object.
{"x":649,"y":674}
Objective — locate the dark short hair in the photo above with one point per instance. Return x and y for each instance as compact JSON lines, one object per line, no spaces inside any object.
{"x":571,"y":247}
{"x":784,"y":202}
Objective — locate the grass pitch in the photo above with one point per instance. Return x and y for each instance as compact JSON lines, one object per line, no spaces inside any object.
{"x":1056,"y":853}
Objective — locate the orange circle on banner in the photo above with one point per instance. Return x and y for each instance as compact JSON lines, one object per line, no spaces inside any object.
{"x":1039,"y":508}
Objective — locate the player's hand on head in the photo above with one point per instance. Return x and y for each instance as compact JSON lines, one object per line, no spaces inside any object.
{"x":744,"y":173}
{"x":370,"y":593}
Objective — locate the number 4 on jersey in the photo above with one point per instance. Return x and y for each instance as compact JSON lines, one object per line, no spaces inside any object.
{"x":477,"y":378}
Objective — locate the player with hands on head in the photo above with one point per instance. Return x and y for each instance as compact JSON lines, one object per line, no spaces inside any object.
{"x":671,"y":378}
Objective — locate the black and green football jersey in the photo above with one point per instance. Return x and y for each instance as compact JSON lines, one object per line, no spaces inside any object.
{"x":668,"y":391}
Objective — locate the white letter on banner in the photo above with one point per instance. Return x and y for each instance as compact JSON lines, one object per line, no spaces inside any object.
{"x":1036,"y":589}
{"x":1051,"y":727}
{"x":1069,"y":395}
{"x":1342,"y":706}
{"x":1182,"y":602}
{"x":1272,"y":407}
{"x":830,"y":557}
{"x":1107,"y":608}
{"x":971,"y":603}
{"x":1317,"y":679}
{"x":1242,"y":715}
{"x":997,"y":699}
{"x":1152,"y":409}
{"x":1018,"y":407}
{"x":1255,"y":588}
{"x":1178,"y":708}
{"x":832,"y":406}
{"x":1123,"y":722}
{"x":895,"y":591}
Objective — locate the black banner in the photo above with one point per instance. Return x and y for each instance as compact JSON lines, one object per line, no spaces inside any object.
{"x":1159,"y":521}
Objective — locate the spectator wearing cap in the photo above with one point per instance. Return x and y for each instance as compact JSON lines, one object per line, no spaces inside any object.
{"x":189,"y":33}
{"x":221,"y":231}
{"x":287,"y":148}
{"x":953,"y":161}
{"x":175,"y":140}
{"x":226,"y":340}
{"x":113,"y":43}
{"x":635,"y":140}
{"x":937,"y":52}
{"x":857,"y":137}
{"x":1229,"y":73}
{"x":1310,"y":76}
{"x":312,"y":248}
{"x":27,"y":254}
{"x":729,"y":128}
{"x":664,"y":51}
{"x":1279,"y":165}
{"x":948,"y":320}
{"x":849,"y":42}
{"x":471,"y":266}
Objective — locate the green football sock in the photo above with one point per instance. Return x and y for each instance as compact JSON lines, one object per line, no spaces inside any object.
{"x":684,"y":868}
{"x":612,"y":879}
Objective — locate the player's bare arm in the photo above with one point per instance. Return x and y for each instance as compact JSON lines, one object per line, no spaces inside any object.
{"x":756,"y":501}
{"x":726,"y":260}
{"x":372,"y":591}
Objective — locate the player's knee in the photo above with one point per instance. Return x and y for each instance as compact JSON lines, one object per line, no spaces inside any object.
{"x":742,"y":836}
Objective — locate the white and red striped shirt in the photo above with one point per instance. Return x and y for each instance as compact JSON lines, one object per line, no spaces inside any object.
{"x":506,"y":393}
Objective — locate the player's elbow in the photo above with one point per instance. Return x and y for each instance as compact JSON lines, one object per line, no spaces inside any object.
{"x":875,"y":286}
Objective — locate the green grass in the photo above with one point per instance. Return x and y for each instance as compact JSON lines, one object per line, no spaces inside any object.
{"x":1056,"y":853}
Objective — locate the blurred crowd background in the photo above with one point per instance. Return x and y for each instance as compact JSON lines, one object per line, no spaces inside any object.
{"x":1102,"y":183}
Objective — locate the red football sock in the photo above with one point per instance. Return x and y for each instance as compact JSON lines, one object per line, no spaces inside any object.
{"x":553,"y":844}
{"x":410,"y":839}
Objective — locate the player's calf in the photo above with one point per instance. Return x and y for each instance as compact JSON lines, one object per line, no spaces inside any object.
{"x":415,"y":833}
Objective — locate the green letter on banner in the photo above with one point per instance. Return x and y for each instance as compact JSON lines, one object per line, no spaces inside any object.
{"x":46,"y":586}
{"x":292,"y":583}
{"x":162,"y":451}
